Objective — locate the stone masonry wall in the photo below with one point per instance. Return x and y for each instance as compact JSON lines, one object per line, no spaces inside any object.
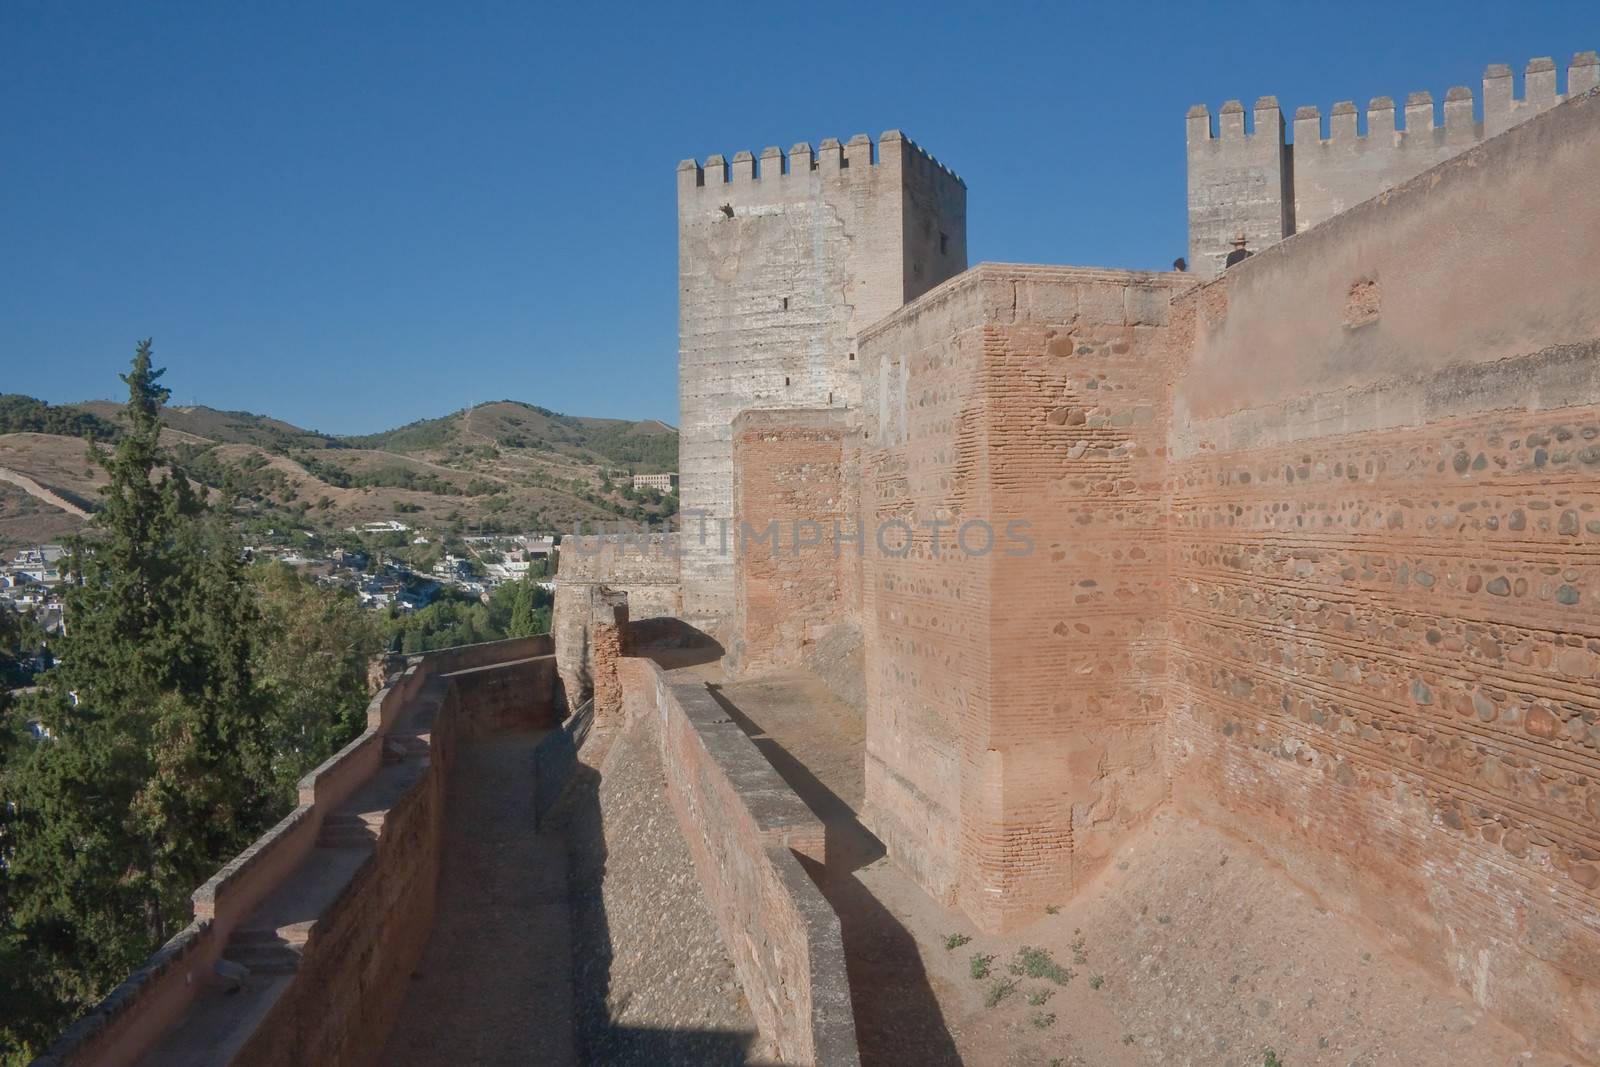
{"x":788,"y":490}
{"x":1015,"y":670}
{"x":642,"y":567}
{"x":780,"y":265}
{"x":1253,"y":182}
{"x":1385,"y":497}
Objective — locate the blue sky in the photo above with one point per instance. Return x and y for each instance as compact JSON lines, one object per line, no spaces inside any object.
{"x":351,"y":216}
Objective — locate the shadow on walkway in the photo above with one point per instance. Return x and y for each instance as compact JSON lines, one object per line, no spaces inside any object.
{"x":898,"y":1019}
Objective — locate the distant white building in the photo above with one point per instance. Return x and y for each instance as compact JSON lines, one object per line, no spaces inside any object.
{"x":664,"y":483}
{"x":381,"y":526}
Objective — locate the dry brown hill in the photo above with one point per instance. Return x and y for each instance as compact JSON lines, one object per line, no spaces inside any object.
{"x":504,"y":465}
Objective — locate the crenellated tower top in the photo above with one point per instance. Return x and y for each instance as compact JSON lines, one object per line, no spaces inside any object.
{"x":1249,"y":179}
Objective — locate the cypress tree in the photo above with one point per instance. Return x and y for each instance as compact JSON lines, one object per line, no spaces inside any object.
{"x":157,"y":764}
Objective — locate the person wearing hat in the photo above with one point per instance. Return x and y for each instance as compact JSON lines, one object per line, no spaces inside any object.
{"x":1239,"y":254}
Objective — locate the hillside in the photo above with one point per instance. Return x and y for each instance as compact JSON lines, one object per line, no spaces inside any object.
{"x":498,"y":466}
{"x":647,"y":447}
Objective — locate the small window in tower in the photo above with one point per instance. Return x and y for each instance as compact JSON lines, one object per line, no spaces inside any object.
{"x":786,"y":381}
{"x":784,"y":304}
{"x":830,"y":399}
{"x":852,"y":357}
{"x":944,"y":244}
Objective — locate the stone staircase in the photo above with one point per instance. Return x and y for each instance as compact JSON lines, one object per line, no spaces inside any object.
{"x":272,"y":942}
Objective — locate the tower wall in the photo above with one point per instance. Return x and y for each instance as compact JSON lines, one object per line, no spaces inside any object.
{"x":781,"y":262}
{"x":1238,"y":183}
{"x":1253,"y":183}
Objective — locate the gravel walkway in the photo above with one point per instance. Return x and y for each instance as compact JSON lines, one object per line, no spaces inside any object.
{"x":652,"y":982}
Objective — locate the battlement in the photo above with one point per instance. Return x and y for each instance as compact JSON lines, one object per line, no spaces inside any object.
{"x":829,"y":159}
{"x":1327,"y":168}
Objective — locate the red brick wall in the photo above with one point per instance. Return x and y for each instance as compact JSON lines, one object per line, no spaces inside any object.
{"x":1016,"y":716}
{"x":788,"y":471}
{"x":1386,"y":567}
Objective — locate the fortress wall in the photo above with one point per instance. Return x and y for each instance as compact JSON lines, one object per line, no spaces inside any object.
{"x":1255,"y":183}
{"x":788,"y":499}
{"x":780,"y":265}
{"x":745,"y":827}
{"x":1015,"y":671}
{"x":1385,"y":496}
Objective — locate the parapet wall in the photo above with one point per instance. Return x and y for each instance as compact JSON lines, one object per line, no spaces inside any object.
{"x":745,"y":827}
{"x":1250,"y":181}
{"x":301,"y":946}
{"x":1385,"y":559}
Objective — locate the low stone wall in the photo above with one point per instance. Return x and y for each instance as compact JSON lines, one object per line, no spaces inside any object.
{"x":358,"y":857}
{"x":744,"y":827}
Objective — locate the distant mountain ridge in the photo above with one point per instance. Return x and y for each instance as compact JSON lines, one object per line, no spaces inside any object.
{"x":648,"y":446}
{"x":499,"y":465}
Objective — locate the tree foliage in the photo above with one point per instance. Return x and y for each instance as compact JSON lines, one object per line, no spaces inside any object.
{"x":184,"y":700}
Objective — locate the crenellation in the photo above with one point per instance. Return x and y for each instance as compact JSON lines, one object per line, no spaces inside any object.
{"x":773,"y":164}
{"x":858,"y":152}
{"x":830,"y":156}
{"x":1539,"y":82}
{"x":1380,"y":118}
{"x":1583,"y":73}
{"x":1307,"y":125}
{"x":1231,"y":179}
{"x":1458,"y":118}
{"x":1419,"y":112}
{"x":1230,"y":121}
{"x":1342,"y":122}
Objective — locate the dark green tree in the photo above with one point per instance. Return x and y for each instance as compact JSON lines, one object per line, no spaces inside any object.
{"x":156,"y":762}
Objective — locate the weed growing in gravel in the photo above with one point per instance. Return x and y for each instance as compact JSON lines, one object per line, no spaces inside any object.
{"x":1096,"y":981}
{"x":1271,"y":1060}
{"x":1127,"y":1039}
{"x":955,"y":941}
{"x":1052,"y":909}
{"x":999,"y":989}
{"x":1080,"y":954}
{"x":1039,"y":996}
{"x":1043,"y":1020}
{"x":979,"y":966}
{"x":1038,"y":963}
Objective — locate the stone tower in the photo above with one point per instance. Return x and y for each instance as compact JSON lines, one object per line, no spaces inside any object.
{"x":782,"y":261}
{"x":1253,"y":182}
